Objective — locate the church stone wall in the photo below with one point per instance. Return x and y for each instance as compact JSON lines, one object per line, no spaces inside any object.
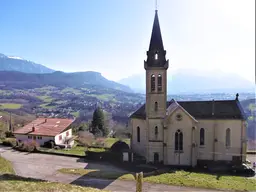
{"x":185,"y":125}
{"x":139,"y":147}
{"x":216,"y":129}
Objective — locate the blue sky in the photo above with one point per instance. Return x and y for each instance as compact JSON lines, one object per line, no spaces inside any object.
{"x":112,"y":36}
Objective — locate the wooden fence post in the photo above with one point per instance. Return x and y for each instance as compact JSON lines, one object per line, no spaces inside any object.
{"x":139,"y":181}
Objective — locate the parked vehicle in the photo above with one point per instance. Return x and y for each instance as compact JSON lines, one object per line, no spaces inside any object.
{"x":243,"y":169}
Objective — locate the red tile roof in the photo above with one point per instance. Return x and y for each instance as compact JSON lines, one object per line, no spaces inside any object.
{"x":45,"y":127}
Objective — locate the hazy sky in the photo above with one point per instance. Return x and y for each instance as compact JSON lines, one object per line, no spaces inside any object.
{"x":112,"y":36}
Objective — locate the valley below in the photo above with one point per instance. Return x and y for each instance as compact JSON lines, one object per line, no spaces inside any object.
{"x":24,"y":105}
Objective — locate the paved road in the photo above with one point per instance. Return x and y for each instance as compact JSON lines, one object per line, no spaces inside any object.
{"x":45,"y":167}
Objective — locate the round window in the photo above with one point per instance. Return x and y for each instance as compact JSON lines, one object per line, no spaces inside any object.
{"x":179,"y":117}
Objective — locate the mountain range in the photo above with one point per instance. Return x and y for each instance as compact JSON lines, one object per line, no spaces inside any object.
{"x":16,"y":69}
{"x":195,"y":81}
{"x":16,"y":72}
{"x":10,"y":63}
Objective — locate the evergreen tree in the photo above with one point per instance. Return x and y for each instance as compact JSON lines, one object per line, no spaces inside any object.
{"x":98,"y":127}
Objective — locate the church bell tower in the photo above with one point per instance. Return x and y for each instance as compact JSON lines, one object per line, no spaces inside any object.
{"x":156,"y":67}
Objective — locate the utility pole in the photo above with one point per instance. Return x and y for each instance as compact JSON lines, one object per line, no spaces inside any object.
{"x":10,"y":123}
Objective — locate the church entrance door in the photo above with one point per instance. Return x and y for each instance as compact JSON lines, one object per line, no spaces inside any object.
{"x":156,"y":158}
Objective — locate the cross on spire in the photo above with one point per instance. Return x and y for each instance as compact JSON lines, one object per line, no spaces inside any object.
{"x":156,"y":5}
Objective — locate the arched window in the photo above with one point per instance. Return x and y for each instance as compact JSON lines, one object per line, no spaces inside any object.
{"x":178,"y":141}
{"x":156,"y":158}
{"x":228,"y":141}
{"x":156,"y":56}
{"x":156,"y":130}
{"x":159,"y":82}
{"x":138,"y":134}
{"x":153,"y":82}
{"x":156,"y":106}
{"x":202,"y":136}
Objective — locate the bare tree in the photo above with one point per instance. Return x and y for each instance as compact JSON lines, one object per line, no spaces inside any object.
{"x":85,"y":138}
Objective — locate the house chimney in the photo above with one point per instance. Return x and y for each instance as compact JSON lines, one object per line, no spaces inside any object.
{"x":33,"y":128}
{"x":45,"y":120}
{"x":213,"y":107}
{"x":237,"y":95}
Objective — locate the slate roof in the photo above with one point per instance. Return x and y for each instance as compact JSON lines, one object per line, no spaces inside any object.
{"x":156,"y":42}
{"x":45,"y":127}
{"x":223,"y":109}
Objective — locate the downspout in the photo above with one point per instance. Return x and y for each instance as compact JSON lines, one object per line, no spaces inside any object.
{"x":192,"y":141}
{"x":242,"y":141}
{"x":214,"y":130}
{"x":163,"y":142}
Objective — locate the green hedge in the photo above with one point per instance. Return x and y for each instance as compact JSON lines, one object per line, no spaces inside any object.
{"x":104,"y":156}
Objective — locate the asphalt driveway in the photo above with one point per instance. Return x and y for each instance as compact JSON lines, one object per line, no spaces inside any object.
{"x":43,"y":166}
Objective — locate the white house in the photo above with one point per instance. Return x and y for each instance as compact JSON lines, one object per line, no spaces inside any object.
{"x":184,"y":133}
{"x":42,"y":130}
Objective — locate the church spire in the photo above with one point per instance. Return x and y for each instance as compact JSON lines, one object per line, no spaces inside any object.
{"x":156,"y":53}
{"x":156,"y":42}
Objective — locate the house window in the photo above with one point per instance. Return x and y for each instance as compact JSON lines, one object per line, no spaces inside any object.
{"x":156,"y":130}
{"x":60,"y":137}
{"x":159,"y":82}
{"x":34,"y":137}
{"x":39,"y":137}
{"x":138,"y":134}
{"x":67,"y":133}
{"x":156,"y":56}
{"x":153,"y":82}
{"x":156,"y":106}
{"x":228,"y":142}
{"x":156,"y":157}
{"x":202,"y":135}
{"x":29,"y":137}
{"x":178,"y":141}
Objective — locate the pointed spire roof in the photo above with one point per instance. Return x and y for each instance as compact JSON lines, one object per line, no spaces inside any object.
{"x":156,"y":42}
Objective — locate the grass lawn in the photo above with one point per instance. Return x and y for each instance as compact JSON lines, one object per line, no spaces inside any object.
{"x":16,"y":183}
{"x":5,"y":167}
{"x":10,"y":106}
{"x":180,"y":178}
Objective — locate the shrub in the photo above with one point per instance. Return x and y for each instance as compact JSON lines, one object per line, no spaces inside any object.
{"x":9,"y":134}
{"x":30,"y":146}
{"x":49,"y":144}
{"x":85,"y":138}
{"x":104,"y":156}
{"x":100,"y":142}
{"x":119,"y":147}
{"x":57,"y":147}
{"x":10,"y":142}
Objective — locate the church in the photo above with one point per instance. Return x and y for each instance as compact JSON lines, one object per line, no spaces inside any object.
{"x":184,"y":133}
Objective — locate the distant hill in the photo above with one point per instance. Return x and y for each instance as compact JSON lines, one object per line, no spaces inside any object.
{"x":19,"y":80}
{"x":195,"y":81}
{"x":8,"y":63}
